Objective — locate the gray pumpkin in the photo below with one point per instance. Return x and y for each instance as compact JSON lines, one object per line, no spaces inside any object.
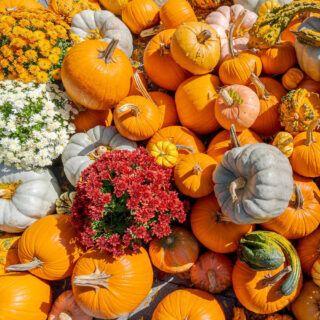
{"x":253,"y":183}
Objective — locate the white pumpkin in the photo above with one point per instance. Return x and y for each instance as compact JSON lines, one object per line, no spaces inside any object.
{"x":25,"y":197}
{"x":83,"y":148}
{"x":102,"y":25}
{"x":254,"y":5}
{"x":308,"y":56}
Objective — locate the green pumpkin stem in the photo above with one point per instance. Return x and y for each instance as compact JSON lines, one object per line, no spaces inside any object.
{"x":34,"y":263}
{"x":204,"y":35}
{"x":227,"y":99}
{"x":261,"y":90}
{"x":239,"y":183}
{"x":107,"y":54}
{"x":271,"y":281}
{"x":312,"y":126}
{"x":135,"y":111}
{"x":212,"y":280}
{"x":7,"y":190}
{"x":234,"y":142}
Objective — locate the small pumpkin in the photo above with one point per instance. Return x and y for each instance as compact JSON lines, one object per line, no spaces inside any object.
{"x":7,"y":5}
{"x":254,"y":5}
{"x":284,"y":142}
{"x":267,"y":7}
{"x":54,"y":260}
{"x":212,"y":272}
{"x":237,"y":105}
{"x":310,"y":85}
{"x":174,"y":253}
{"x":8,"y":251}
{"x":96,"y":75}
{"x":165,"y":153}
{"x":195,"y":46}
{"x":292,"y":78}
{"x":315,"y":272}
{"x":115,"y":6}
{"x":193,"y":175}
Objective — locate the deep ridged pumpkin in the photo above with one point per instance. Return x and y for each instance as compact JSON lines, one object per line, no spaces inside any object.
{"x":165,"y":153}
{"x":291,"y":79}
{"x":284,"y":142}
{"x":20,"y":4}
{"x":195,"y":100}
{"x":96,"y":75}
{"x":212,"y":230}
{"x":174,"y":253}
{"x":8,"y":251}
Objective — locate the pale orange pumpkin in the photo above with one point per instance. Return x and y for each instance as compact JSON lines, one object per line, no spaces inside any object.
{"x":6,"y":5}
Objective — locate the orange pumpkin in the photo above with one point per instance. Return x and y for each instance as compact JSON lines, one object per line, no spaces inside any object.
{"x":159,"y":64}
{"x":20,"y":4}
{"x":195,"y":100}
{"x":291,"y":79}
{"x":212,"y":272}
{"x":189,"y":304}
{"x":134,"y":89}
{"x":140,"y":14}
{"x":96,"y":75}
{"x":212,"y":230}
{"x":270,"y":92}
{"x":315,"y":272}
{"x":65,"y":307}
{"x":286,"y":34}
{"x":193,"y":175}
{"x":122,"y":282}
{"x":310,"y":85}
{"x":48,"y":248}
{"x":136,"y":118}
{"x":174,"y":253}
{"x":8,"y":251}
{"x":279,"y":317}
{"x":24,"y":296}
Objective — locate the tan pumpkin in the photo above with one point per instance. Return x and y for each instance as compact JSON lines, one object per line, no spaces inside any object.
{"x":292,"y":78}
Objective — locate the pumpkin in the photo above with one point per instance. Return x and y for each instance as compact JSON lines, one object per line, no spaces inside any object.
{"x":134,"y":89}
{"x":83,"y":148}
{"x":124,"y":282}
{"x":212,"y":272}
{"x":212,"y":229}
{"x":189,"y":304}
{"x":315,"y":272}
{"x":65,"y":308}
{"x":279,"y":317}
{"x":176,"y":252}
{"x":287,"y":34}
{"x":267,"y":7}
{"x":54,"y":260}
{"x":165,"y":153}
{"x":140,"y":14}
{"x":259,"y":276}
{"x":305,"y":159}
{"x":195,"y":46}
{"x":310,"y":85}
{"x":298,"y":109}
{"x":306,"y":306}
{"x":270,"y":93}
{"x":195,"y":100}
{"x":115,"y":6}
{"x":253,"y":183}
{"x":302,"y":216}
{"x":284,"y":142}
{"x":8,"y":251}
{"x":102,"y":25}
{"x":207,"y":4}
{"x":237,"y":105}
{"x":26,"y":296}
{"x":25,"y":196}
{"x":254,"y":5}
{"x":159,"y":64}
{"x":278,"y":59}
{"x":136,"y":118}
{"x":291,"y":79}
{"x":239,"y":314}
{"x":226,"y":140}
{"x":96,"y":75}
{"x":193,"y":175}
{"x":175,"y":12}
{"x":7,"y":5}
{"x":177,"y":135}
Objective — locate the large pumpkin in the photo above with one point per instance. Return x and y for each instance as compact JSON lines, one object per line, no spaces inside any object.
{"x":8,"y":251}
{"x":49,"y":248}
{"x":7,"y":5}
{"x":121,"y":282}
{"x":96,"y":75}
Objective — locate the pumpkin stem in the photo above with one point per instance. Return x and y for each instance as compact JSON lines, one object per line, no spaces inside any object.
{"x":152,"y":31}
{"x":65,"y":316}
{"x":212,"y":280}
{"x":164,"y":49}
{"x":107,"y":54}
{"x":239,"y":24}
{"x":271,"y":281}
{"x":180,"y":146}
{"x":7,"y":190}
{"x":94,"y":280}
{"x":230,"y":41}
{"x":234,"y":138}
{"x":220,"y":217}
{"x":204,"y":35}
{"x":299,"y":201}
{"x":135,"y":111}
{"x":226,"y":97}
{"x":141,"y":88}
{"x":64,"y":203}
{"x":313,"y":125}
{"x":197,"y":169}
{"x":261,"y":90}
{"x":34,"y":263}
{"x":98,"y":152}
{"x":239,"y":183}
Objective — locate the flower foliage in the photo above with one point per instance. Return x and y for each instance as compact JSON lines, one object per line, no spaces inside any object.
{"x":124,"y":199}
{"x":33,"y":44}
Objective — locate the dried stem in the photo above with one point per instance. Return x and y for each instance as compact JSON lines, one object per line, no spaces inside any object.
{"x":261,"y":90}
{"x":180,"y":146}
{"x":239,"y":183}
{"x":312,"y":126}
{"x":230,"y":41}
{"x":234,"y":142}
{"x":203,"y":36}
{"x":152,"y":31}
{"x":107,"y":54}
{"x":226,"y":97}
{"x":197,"y":169}
{"x":271,"y":281}
{"x":34,"y":263}
{"x":164,"y":49}
{"x":299,"y":201}
{"x":65,"y":316}
{"x":141,"y":88}
{"x":135,"y":111}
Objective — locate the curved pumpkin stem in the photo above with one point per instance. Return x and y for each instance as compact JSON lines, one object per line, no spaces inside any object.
{"x":135,"y":111}
{"x":220,"y":217}
{"x":98,"y":152}
{"x":107,"y":54}
{"x":204,"y":35}
{"x":234,"y":138}
{"x":299,"y":201}
{"x":65,"y":316}
{"x":141,"y":88}
{"x":271,"y":281}
{"x":152,"y":31}
{"x":239,"y":183}
{"x":197,"y":169}
{"x":212,"y":280}
{"x":226,"y":97}
{"x":261,"y":90}
{"x":239,"y":24}
{"x":230,"y":41}
{"x":180,"y":146}
{"x":310,"y":138}
{"x":7,"y":190}
{"x":34,"y":263}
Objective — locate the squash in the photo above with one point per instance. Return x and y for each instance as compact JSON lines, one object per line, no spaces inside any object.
{"x":189,"y":304}
{"x":159,"y":64}
{"x":136,"y":118}
{"x":96,"y":75}
{"x":84,"y":148}
{"x":270,"y":93}
{"x":302,"y":216}
{"x":195,"y":100}
{"x":292,"y":78}
{"x":102,"y":25}
{"x":195,"y":46}
{"x":115,"y":6}
{"x":193,"y":175}
{"x":124,"y":282}
{"x":254,"y":5}
{"x":306,"y":152}
{"x":165,"y":153}
{"x":315,"y":272}
{"x":284,"y":142}
{"x":25,"y":196}
{"x":140,"y":14}
{"x":212,"y":272}
{"x":267,"y":7}
{"x":54,"y":260}
{"x":26,"y":297}
{"x":174,"y":253}
{"x":7,"y":5}
{"x":65,"y":307}
{"x":8,"y":251}
{"x":259,"y":276}
{"x":226,"y":140}
{"x":253,"y":183}
{"x":237,"y":105}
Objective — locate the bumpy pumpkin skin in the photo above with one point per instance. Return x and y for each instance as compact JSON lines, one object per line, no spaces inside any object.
{"x":8,"y":251}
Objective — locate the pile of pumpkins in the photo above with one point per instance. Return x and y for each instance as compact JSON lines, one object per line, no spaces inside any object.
{"x":238,"y":125}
